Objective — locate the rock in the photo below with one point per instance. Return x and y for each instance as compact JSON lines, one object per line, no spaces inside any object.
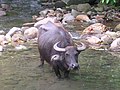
{"x":106,"y":39}
{"x":93,"y":21}
{"x":5,"y":7}
{"x":34,"y":17}
{"x":118,"y":33}
{"x":2,"y":32}
{"x":60,"y":10}
{"x":24,"y":28}
{"x":1,"y":48}
{"x":3,"y":41}
{"x":96,"y":28}
{"x":98,"y":18}
{"x":51,"y":13}
{"x":44,"y":21}
{"x":112,"y":15}
{"x":65,"y":1}
{"x":59,"y":4}
{"x":31,"y":33}
{"x":93,"y":40}
{"x":47,"y":12}
{"x":83,"y":7}
{"x":20,"y":47}
{"x":39,"y":18}
{"x":83,"y":18}
{"x":11,"y":32}
{"x":68,"y":18}
{"x":2,"y":13}
{"x":44,"y":12}
{"x":117,"y":28}
{"x":115,"y":45}
{"x":99,"y":9}
{"x":113,"y":35}
{"x":59,"y":14}
{"x":18,"y":39}
{"x":28,"y":24}
{"x":73,"y":7}
{"x":75,"y":12}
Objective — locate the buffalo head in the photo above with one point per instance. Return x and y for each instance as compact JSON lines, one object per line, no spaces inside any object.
{"x":70,"y":55}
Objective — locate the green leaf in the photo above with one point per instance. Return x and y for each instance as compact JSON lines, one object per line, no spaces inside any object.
{"x":103,"y":1}
{"x":114,"y":1}
{"x":107,"y":1}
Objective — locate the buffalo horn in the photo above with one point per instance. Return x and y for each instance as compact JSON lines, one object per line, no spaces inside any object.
{"x":57,"y":48}
{"x":80,"y":48}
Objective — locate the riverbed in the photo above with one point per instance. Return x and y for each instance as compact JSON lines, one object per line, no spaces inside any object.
{"x":99,"y":70}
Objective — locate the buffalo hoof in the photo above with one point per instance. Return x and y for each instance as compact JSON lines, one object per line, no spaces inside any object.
{"x":59,"y":77}
{"x":40,"y":66}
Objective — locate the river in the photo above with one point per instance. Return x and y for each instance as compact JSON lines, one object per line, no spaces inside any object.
{"x":99,"y":70}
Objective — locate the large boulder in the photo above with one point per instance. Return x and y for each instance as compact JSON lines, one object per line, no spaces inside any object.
{"x":83,"y":7}
{"x":97,"y":28}
{"x":31,"y":33}
{"x":117,"y":28}
{"x":59,"y":4}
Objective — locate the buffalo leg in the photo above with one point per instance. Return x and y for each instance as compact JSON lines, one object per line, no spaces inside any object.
{"x":42,"y":62}
{"x":66,"y":74}
{"x":57,"y":71}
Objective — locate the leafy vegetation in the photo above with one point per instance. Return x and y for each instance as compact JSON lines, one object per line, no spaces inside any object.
{"x":112,"y":2}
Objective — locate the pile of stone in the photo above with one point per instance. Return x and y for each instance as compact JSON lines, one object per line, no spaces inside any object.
{"x":97,"y":35}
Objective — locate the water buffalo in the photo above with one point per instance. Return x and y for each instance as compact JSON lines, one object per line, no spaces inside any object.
{"x":57,"y":48}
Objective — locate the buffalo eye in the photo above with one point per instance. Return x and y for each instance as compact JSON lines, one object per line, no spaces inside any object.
{"x":66,"y":54}
{"x":76,"y":53}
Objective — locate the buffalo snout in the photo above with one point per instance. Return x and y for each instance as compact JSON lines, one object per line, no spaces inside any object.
{"x":73,"y":66}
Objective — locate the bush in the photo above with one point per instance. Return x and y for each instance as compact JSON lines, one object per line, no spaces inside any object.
{"x":112,"y":2}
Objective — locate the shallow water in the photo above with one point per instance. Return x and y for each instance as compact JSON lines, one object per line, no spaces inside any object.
{"x":99,"y":70}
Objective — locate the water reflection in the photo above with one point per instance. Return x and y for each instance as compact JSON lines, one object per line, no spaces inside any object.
{"x":99,"y":70}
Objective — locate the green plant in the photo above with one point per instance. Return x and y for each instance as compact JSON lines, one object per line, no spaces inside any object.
{"x":108,"y":1}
